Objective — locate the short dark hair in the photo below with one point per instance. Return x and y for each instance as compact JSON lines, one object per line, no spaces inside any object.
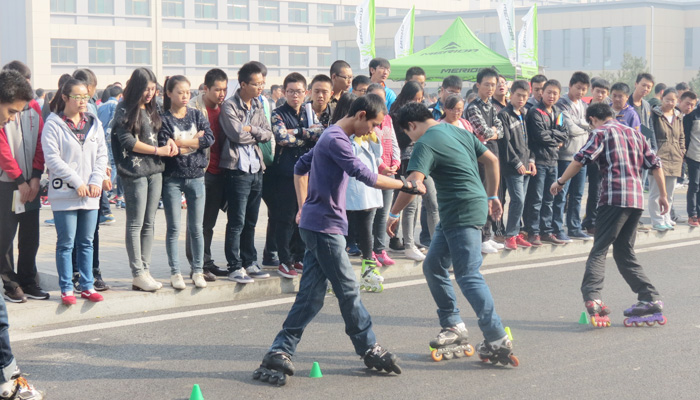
{"x":215,"y":75}
{"x":375,"y":86}
{"x":263,"y":68}
{"x":520,"y":85}
{"x":539,"y":78}
{"x":452,"y":101}
{"x":660,"y":87}
{"x":486,"y":73}
{"x":371,"y":104}
{"x":115,"y":91}
{"x":413,"y":112}
{"x":379,"y":62}
{"x":337,"y":66}
{"x":414,"y":71}
{"x":248,"y":70}
{"x":600,"y":111}
{"x":620,"y":87}
{"x":294,"y":77}
{"x":552,"y":82}
{"x":645,"y":75}
{"x":14,"y":87}
{"x":275,"y":87}
{"x":670,"y":91}
{"x":86,"y":75}
{"x":600,"y":83}
{"x":39,"y":92}
{"x":689,"y":94}
{"x":322,"y":78}
{"x":682,"y":86}
{"x":580,"y":77}
{"x":20,"y":67}
{"x":360,"y":80}
{"x":452,"y":81}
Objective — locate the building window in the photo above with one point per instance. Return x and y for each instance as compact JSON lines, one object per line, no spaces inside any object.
{"x":64,"y":51}
{"x":348,"y":51}
{"x":586,"y":47}
{"x":547,"y":53}
{"x":138,"y":7}
{"x":206,"y":54}
{"x":174,"y":8}
{"x":237,"y":9}
{"x":689,"y":47}
{"x":349,"y":13}
{"x":607,"y":47}
{"x":381,"y":12}
{"x":205,"y":9}
{"x":101,"y":51}
{"x":493,"y":40}
{"x":173,"y":53}
{"x":325,"y":58}
{"x":566,"y":48}
{"x":101,"y":6}
{"x":298,"y":12}
{"x":269,"y":55}
{"x":627,"y":37}
{"x":63,"y":6}
{"x":326,"y":13}
{"x":268,"y":11}
{"x":238,"y":54}
{"x":138,"y":53}
{"x":298,"y":56}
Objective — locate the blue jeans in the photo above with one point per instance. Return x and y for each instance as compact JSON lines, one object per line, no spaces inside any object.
{"x":379,"y":225}
{"x":7,"y":360}
{"x":141,"y":196}
{"x":517,"y":188}
{"x":538,"y":201}
{"x":574,"y":187}
{"x":243,"y":194}
{"x":326,"y":259}
{"x":172,"y":203}
{"x":76,"y":227}
{"x":460,"y":247}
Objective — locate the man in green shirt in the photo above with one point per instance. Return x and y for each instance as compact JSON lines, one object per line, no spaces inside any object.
{"x":451,"y":157}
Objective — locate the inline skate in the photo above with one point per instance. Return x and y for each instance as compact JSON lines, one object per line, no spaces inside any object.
{"x":371,"y":279}
{"x":381,"y":359}
{"x":598,"y":313}
{"x":274,"y":368}
{"x":648,"y":312}
{"x":451,"y":342}
{"x":498,"y":351}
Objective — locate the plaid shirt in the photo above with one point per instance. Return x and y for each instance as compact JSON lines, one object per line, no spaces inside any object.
{"x":478,"y":113}
{"x":621,"y":154}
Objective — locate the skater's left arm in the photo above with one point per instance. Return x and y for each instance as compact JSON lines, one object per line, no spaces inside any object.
{"x":402,"y":200}
{"x":301,"y":184}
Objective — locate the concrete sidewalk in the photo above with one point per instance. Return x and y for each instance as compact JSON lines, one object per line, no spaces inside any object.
{"x":121,"y":300}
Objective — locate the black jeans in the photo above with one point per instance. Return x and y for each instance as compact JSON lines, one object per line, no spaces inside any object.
{"x":243,"y":195}
{"x":360,"y":231}
{"x":289,"y":246}
{"x":215,"y":200}
{"x":593,"y":173}
{"x":616,"y":226}
{"x":27,"y":241}
{"x":268,"y":196}
{"x":693,"y":187}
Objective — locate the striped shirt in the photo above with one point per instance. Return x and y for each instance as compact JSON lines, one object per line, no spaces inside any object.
{"x":621,"y":154}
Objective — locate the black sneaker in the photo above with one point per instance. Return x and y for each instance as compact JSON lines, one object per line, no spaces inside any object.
{"x":395,"y":244}
{"x":216,"y":271}
{"x":36,"y":292}
{"x":76,"y":283}
{"x":271,"y":262}
{"x":100,"y":285}
{"x":15,"y":295}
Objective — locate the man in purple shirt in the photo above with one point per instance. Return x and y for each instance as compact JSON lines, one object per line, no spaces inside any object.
{"x":620,"y":93}
{"x":321,"y":179}
{"x":621,"y":154}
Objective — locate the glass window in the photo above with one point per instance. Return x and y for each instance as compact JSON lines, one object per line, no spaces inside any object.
{"x":138,"y":53}
{"x":173,"y":53}
{"x":566,"y":48}
{"x":547,"y":52}
{"x":206,"y":54}
{"x":269,"y":55}
{"x":63,"y":6}
{"x":138,"y":7}
{"x":238,"y":54}
{"x":205,"y":9}
{"x":607,"y":47}
{"x":688,"y":47}
{"x":493,"y":40}
{"x":298,"y":56}
{"x":586,"y":47}
{"x":101,"y":6}
{"x":101,"y":51}
{"x":64,"y":51}
{"x":627,"y":37}
{"x":380,"y":12}
{"x":298,"y":12}
{"x":349,"y":13}
{"x":326,"y":13}
{"x":268,"y":11}
{"x":237,"y":9}
{"x":325,"y":59}
{"x":174,"y":8}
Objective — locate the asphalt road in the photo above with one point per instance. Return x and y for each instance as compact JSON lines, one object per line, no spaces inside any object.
{"x":160,"y":356}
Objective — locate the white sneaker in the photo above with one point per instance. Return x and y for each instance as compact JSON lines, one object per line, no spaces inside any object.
{"x":254,"y":271}
{"x":145,"y":283}
{"x":486,"y":248}
{"x":148,"y":274}
{"x":239,"y":275}
{"x":177,"y":282}
{"x":673,"y":223}
{"x":496,"y":245}
{"x":414,"y":254}
{"x":18,"y":388}
{"x":198,"y":280}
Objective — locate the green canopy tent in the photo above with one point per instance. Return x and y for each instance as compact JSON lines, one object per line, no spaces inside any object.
{"x":457,"y":52}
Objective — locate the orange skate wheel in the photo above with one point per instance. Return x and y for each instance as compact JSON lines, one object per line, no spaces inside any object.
{"x":469,"y":351}
{"x":435,"y":356}
{"x":514,"y":360}
{"x":664,"y":320}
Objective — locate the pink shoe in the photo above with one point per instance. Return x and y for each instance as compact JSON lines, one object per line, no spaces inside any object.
{"x":376,"y":260}
{"x":384,"y":259}
{"x":91,"y":295}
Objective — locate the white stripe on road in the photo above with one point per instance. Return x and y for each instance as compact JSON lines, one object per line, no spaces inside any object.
{"x":21,"y":337}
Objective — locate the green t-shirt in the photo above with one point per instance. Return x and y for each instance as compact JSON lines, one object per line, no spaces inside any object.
{"x":449,"y":155}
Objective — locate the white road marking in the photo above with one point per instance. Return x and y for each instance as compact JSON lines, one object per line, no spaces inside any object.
{"x":21,"y":337}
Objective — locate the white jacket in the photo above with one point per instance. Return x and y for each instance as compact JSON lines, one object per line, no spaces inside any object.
{"x":359,"y":196}
{"x":72,"y":165}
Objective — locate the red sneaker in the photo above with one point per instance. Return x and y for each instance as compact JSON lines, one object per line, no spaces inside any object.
{"x":92,"y":296}
{"x":511,"y":243}
{"x":287,"y":272}
{"x":520,"y":240}
{"x":693,"y":221}
{"x":299,"y":266}
{"x":68,"y":299}
{"x":385,"y":259}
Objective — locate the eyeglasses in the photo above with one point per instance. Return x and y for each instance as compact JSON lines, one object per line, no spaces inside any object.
{"x":347,"y":78}
{"x":453,"y":91}
{"x":295,"y":92}
{"x":360,"y":91}
{"x":257,"y":85}
{"x":79,"y":98}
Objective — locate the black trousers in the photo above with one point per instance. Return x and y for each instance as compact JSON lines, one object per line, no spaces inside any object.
{"x":616,"y":226}
{"x":27,"y":241}
{"x":288,"y":243}
{"x":360,"y":231}
{"x":268,"y":196}
{"x":593,"y":195}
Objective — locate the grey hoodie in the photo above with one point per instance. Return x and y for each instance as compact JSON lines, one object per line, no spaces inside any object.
{"x":575,"y":122}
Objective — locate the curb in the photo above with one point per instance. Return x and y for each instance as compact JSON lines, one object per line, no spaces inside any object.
{"x":121,"y":300}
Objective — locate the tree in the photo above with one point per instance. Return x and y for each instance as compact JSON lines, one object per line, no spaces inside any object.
{"x":695,"y":83}
{"x":629,"y":69}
